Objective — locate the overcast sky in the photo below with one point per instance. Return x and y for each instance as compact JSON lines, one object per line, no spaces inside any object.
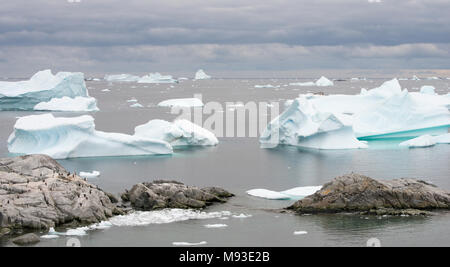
{"x":110,"y":36}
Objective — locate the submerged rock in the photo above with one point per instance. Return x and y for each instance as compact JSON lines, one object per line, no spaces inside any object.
{"x":359,"y":193}
{"x":38,"y":193}
{"x":171,"y":194}
{"x":27,"y":239}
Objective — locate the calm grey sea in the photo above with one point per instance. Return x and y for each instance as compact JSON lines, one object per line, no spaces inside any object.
{"x":239,"y":164}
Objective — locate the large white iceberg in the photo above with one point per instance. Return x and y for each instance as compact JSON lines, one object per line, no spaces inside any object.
{"x":401,"y":115}
{"x":76,"y":137}
{"x":122,"y":78}
{"x":42,"y":87}
{"x":294,"y":193}
{"x":324,"y":81}
{"x":201,"y":75}
{"x":304,"y":126}
{"x":179,"y":133}
{"x":182,"y":102}
{"x":69,"y":104}
{"x":157,"y":78}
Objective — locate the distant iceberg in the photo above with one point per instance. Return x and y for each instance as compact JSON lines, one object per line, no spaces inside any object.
{"x":303,"y":84}
{"x":78,"y":104}
{"x":201,"y":75}
{"x":266,"y":86}
{"x":42,"y":87}
{"x":157,"y":78}
{"x":122,"y":78}
{"x":90,"y":175}
{"x":427,"y":141}
{"x":76,"y":137}
{"x":182,"y":102}
{"x":291,"y":194}
{"x":323,"y":81}
{"x":428,"y":89}
{"x":304,"y":126}
{"x":178,"y":134}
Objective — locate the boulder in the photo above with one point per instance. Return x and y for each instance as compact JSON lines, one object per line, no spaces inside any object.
{"x":359,"y":193}
{"x":38,"y":193}
{"x":172,"y":194}
{"x":27,"y":239}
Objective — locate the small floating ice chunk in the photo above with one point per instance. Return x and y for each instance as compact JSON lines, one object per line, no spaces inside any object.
{"x":266,"y":86}
{"x":323,"y":81}
{"x":49,"y":236}
{"x":181,"y":102}
{"x":268,"y":194}
{"x":106,"y":90}
{"x":293,"y":193}
{"x":219,"y":225}
{"x":300,"y":233}
{"x":303,"y":84}
{"x":428,"y":89}
{"x":77,"y":104}
{"x":90,"y":175}
{"x":421,"y":141}
{"x":442,"y":139}
{"x":187,"y":244}
{"x":121,"y":78}
{"x":157,"y":78}
{"x":242,"y":216}
{"x":201,"y":75}
{"x":136,"y":105}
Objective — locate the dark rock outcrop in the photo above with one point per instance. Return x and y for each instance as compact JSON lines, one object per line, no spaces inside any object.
{"x":38,"y":193}
{"x":27,"y":239}
{"x":359,"y":193}
{"x":171,"y":194}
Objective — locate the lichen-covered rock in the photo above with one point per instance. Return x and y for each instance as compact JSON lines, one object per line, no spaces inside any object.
{"x":359,"y":193}
{"x":171,"y":194}
{"x":38,"y":193}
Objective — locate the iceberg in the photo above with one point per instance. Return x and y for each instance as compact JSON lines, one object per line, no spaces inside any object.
{"x":266,"y":86}
{"x":303,"y":84}
{"x":201,"y":75}
{"x":323,"y":81}
{"x":178,"y":134}
{"x":428,"y":89}
{"x":157,"y":78}
{"x":77,"y":104}
{"x":300,"y":233}
{"x":401,"y":115}
{"x":427,"y":141}
{"x":121,"y":78}
{"x":303,"y":125}
{"x":291,"y":194}
{"x":62,"y":138}
{"x":136,"y":105}
{"x":42,"y":87}
{"x":182,"y":102}
{"x":219,"y":225}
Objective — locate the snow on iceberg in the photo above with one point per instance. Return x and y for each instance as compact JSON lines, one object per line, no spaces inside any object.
{"x":182,"y":102}
{"x":78,"y":104}
{"x":42,"y":87}
{"x":121,"y":78}
{"x":401,"y":115}
{"x":157,"y":78}
{"x":323,"y":81}
{"x":201,"y":75}
{"x":76,"y":137}
{"x":303,"y":125}
{"x":291,"y":194}
{"x":178,"y":134}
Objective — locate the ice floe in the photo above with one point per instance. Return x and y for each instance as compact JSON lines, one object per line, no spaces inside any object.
{"x":303,"y":84}
{"x":179,"y":133}
{"x":303,"y":125}
{"x":242,"y":216}
{"x":428,"y":89}
{"x":42,"y":87}
{"x":427,"y":141}
{"x":90,"y":175}
{"x":136,"y":105}
{"x":201,"y":75}
{"x":157,"y":78}
{"x":182,"y":102}
{"x":65,"y":103}
{"x":219,"y":225}
{"x":294,"y":193}
{"x":266,"y":86}
{"x":77,"y":137}
{"x":300,"y":233}
{"x":122,"y":78}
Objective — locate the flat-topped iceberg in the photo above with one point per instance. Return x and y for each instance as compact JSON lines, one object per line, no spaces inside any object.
{"x":303,"y":84}
{"x":303,"y":125}
{"x":157,"y":78}
{"x":201,"y":75}
{"x":178,"y":134}
{"x":78,"y":104}
{"x":76,"y":137}
{"x":428,"y":89}
{"x":122,"y":78}
{"x":182,"y":102}
{"x":42,"y":87}
{"x":291,"y":194}
{"x":324,"y":81}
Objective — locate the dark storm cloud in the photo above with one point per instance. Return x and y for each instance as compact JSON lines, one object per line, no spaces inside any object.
{"x":213,"y":32}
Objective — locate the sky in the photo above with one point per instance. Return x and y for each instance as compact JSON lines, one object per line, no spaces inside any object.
{"x":141,"y":36}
